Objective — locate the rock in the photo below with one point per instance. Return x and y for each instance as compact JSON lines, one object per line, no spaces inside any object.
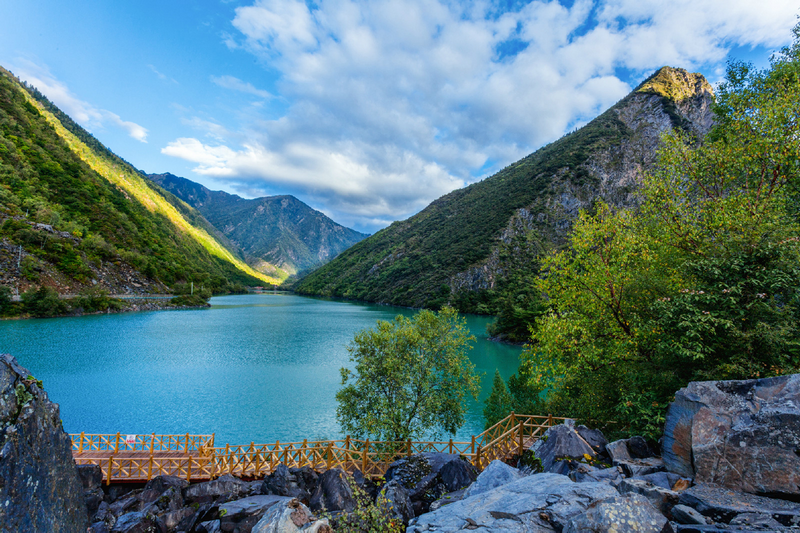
{"x":722,"y":505}
{"x":427,"y":476}
{"x":618,"y":451}
{"x":242,"y":515}
{"x":137,"y":523}
{"x":40,"y":489}
{"x":98,"y":527}
{"x":496,"y":474}
{"x":446,"y":499}
{"x":227,"y":486}
{"x":173,"y":519}
{"x":559,"y":443}
{"x":662,"y":499}
{"x":168,"y":501}
{"x":666,"y":480}
{"x":738,"y":434}
{"x":293,"y":482}
{"x":333,"y":493}
{"x":541,"y":502}
{"x":123,"y":505}
{"x":594,"y":438}
{"x":756,"y":520}
{"x":396,"y":501}
{"x":210,"y":526}
{"x":638,"y":448}
{"x":161,"y":483}
{"x":290,"y":516}
{"x":686,"y":515}
{"x":629,"y":513}
{"x":91,"y":476}
{"x":641,"y":467}
{"x":587,"y":473}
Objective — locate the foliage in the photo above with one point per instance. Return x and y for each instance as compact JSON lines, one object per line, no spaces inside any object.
{"x":499,"y":403}
{"x":701,"y":283}
{"x":368,"y":516}
{"x":411,"y":376}
{"x":43,"y":302}
{"x":95,"y":299}
{"x":5,"y":299}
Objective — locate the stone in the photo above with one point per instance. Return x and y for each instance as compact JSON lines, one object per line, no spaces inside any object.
{"x":662,"y":499}
{"x":333,"y":493}
{"x":422,"y":475}
{"x":587,"y":473}
{"x":738,"y":434}
{"x":226,"y":487}
{"x":297,"y":483}
{"x":91,"y":476}
{"x":40,"y":489}
{"x":628,"y":513}
{"x":168,"y":501}
{"x":98,"y":527}
{"x":641,"y":467}
{"x":290,"y":516}
{"x":561,"y":443}
{"x":618,"y":451}
{"x":722,"y":505}
{"x":684,"y":514}
{"x":755,"y":520}
{"x":209,"y":526}
{"x":173,"y":519}
{"x":447,"y":499}
{"x":496,"y":474}
{"x":541,"y":502}
{"x":161,"y":483}
{"x":137,"y":522}
{"x":594,"y":438}
{"x":394,"y":499}
{"x":243,"y":514}
{"x":638,"y":448}
{"x":667,"y":480}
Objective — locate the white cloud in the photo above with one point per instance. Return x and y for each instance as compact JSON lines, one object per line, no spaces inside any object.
{"x":82,"y":112}
{"x":394,"y":102}
{"x":230,"y":82}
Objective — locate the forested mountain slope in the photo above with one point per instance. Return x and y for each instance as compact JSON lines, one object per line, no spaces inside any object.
{"x":73,"y":215}
{"x":477,"y":247}
{"x":278,"y":235}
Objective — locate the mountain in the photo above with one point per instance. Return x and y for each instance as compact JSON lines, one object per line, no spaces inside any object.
{"x":73,"y":215}
{"x":279,"y":235}
{"x":477,"y":247}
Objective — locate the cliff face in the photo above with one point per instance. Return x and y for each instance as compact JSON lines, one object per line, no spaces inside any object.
{"x":275,"y":233}
{"x":476,"y":238}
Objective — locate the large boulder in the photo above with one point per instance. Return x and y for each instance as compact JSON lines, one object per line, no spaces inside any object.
{"x":629,"y":513}
{"x":40,"y":489}
{"x":395,"y":501}
{"x":224,"y":488}
{"x":297,"y":483}
{"x":541,"y":502}
{"x":334,"y":493}
{"x":428,"y":476}
{"x":242,"y":515}
{"x":290,"y":516}
{"x":743,"y":435}
{"x":559,"y":444}
{"x":722,"y":505}
{"x":496,"y":474}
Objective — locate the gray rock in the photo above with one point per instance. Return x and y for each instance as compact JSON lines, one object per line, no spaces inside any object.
{"x":333,"y":493}
{"x":641,"y":467}
{"x":594,"y":438}
{"x":293,"y":482}
{"x":396,"y":502}
{"x":172,"y":519}
{"x":161,"y":483}
{"x":40,"y":489}
{"x":227,"y":487}
{"x":447,"y":499}
{"x":722,"y":528}
{"x":638,"y":448}
{"x":496,"y":474}
{"x":290,"y":517}
{"x":666,"y":480}
{"x":242,"y":515}
{"x":662,"y":499}
{"x":587,"y":473}
{"x":210,"y":526}
{"x":91,"y":476}
{"x":618,"y":451}
{"x":722,"y":505}
{"x":136,"y":523}
{"x":686,"y":515}
{"x":560,"y":443}
{"x":427,"y":476}
{"x":628,"y":513}
{"x":541,"y":502}
{"x":755,"y":520}
{"x":98,"y":527}
{"x":739,"y":434}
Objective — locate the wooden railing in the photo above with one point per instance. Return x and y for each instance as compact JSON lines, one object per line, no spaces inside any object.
{"x":505,"y":439}
{"x":194,"y":457}
{"x":119,"y":442}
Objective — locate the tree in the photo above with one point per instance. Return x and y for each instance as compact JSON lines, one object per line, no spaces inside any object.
{"x":411,"y":376}
{"x":499,"y":403}
{"x":700,"y":283}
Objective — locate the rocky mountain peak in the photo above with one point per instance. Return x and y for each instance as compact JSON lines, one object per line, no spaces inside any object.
{"x":677,"y":84}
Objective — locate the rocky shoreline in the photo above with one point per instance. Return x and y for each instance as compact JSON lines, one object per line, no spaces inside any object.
{"x":729,"y":462}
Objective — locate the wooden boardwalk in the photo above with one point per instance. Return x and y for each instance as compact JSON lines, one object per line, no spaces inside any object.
{"x":137,"y":458}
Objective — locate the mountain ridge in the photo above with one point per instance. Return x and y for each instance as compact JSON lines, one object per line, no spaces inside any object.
{"x":478,"y":245}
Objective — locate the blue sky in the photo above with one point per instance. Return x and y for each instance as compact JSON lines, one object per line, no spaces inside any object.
{"x":366,"y":111}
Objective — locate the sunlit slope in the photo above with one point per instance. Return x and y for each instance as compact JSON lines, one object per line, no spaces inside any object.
{"x":137,"y":187}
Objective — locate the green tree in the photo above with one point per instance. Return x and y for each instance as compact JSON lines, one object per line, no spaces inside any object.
{"x":700,"y":283}
{"x":5,"y":298}
{"x":411,"y":377}
{"x":499,"y":403}
{"x":43,"y":302}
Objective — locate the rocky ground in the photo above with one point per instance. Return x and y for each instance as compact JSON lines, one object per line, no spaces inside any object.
{"x":729,"y":463}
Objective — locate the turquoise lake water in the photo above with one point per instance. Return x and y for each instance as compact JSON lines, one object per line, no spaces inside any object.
{"x":251,"y":368}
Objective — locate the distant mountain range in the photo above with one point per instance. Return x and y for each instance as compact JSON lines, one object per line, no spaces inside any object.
{"x":278,"y":235}
{"x":478,"y":247}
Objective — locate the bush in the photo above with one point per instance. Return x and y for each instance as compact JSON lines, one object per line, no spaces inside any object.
{"x":43,"y":302}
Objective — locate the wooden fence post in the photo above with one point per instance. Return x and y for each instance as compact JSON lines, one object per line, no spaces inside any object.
{"x":108,"y":475}
{"x":364,"y":458}
{"x":252,"y":448}
{"x":186,"y":445}
{"x":303,"y":450}
{"x":408,"y":446}
{"x":478,"y":459}
{"x":472,"y":448}
{"x":275,"y":456}
{"x":450,"y":447}
{"x":346,"y":451}
{"x":116,"y":446}
{"x":152,"y":442}
{"x":521,"y":439}
{"x":258,"y":466}
{"x":228,"y":457}
{"x":150,"y":468}
{"x":189,"y":470}
{"x":80,"y":446}
{"x":328,"y":456}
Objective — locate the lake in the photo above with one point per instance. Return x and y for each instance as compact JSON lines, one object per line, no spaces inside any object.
{"x":258,"y":367}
